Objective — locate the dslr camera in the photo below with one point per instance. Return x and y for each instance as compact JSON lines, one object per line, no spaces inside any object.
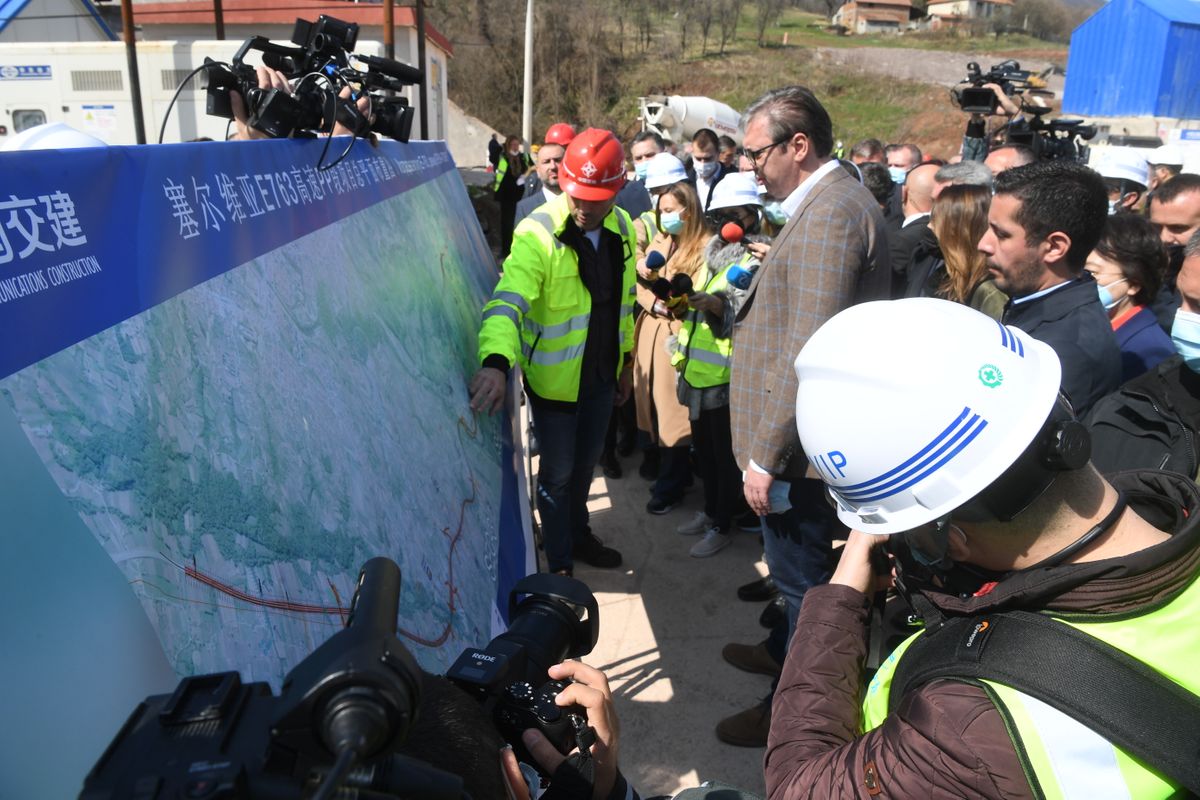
{"x":343,"y":713}
{"x":319,"y":66}
{"x":557,"y":619}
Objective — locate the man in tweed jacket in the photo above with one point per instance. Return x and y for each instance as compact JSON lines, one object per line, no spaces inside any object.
{"x":832,"y":252}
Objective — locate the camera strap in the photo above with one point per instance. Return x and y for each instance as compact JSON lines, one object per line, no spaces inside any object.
{"x":1124,"y":700}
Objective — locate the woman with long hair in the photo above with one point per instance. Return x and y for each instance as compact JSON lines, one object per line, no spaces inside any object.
{"x":950,"y":251}
{"x":679,"y":243}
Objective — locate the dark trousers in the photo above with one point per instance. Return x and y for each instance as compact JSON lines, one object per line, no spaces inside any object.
{"x":798,"y":544}
{"x":569,"y":445}
{"x":508,"y":216}
{"x":713,"y":440}
{"x":674,"y":470}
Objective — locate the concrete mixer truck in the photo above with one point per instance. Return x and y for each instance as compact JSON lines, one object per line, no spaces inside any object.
{"x":678,"y":118}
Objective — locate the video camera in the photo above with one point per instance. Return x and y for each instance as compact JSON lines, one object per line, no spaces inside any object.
{"x":321,"y":65}
{"x":1053,"y":138}
{"x":344,"y":711}
{"x":977,"y":99}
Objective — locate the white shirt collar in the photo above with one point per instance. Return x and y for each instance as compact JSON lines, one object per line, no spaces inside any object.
{"x":1042,"y":293}
{"x":911,"y":218}
{"x":550,"y":196}
{"x":798,"y":194}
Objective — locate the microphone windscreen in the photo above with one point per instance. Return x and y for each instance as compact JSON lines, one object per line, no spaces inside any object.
{"x":655,"y":260}
{"x":732,"y":232}
{"x":661,"y":288}
{"x":681,"y":284}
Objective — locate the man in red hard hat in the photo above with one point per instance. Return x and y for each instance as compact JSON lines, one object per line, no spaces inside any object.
{"x":563,"y":312}
{"x":544,"y":186}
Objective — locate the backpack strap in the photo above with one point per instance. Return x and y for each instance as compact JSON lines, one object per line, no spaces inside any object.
{"x":1124,"y":700}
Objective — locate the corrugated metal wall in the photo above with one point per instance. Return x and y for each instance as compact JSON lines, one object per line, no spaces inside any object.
{"x":1115,"y":64}
{"x":1128,"y":59}
{"x":1179,"y":92}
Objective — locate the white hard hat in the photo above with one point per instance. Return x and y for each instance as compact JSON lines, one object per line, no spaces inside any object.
{"x":1123,"y":164}
{"x":735,"y":189}
{"x":663,"y":170}
{"x":51,"y":136}
{"x":910,"y":408}
{"x":1169,"y":155}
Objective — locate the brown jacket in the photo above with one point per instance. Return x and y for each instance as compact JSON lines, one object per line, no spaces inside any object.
{"x":946,"y":739}
{"x":832,"y":253}
{"x":654,"y":378}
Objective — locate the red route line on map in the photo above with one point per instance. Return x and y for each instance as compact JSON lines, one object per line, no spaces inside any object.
{"x":308,"y":608}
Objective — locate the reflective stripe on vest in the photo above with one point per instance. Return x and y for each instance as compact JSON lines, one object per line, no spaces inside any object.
{"x":501,"y":171}
{"x":512,"y":298}
{"x":576,"y":323}
{"x":1068,"y":760}
{"x":703,"y":359}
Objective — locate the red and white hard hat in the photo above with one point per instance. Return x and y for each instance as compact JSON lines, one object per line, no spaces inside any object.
{"x":559,"y":133}
{"x":594,"y":166}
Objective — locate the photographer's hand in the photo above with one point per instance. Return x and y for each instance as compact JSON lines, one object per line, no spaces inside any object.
{"x":1007,"y":107}
{"x":364,"y":108}
{"x":267,"y":79}
{"x":591,"y":691}
{"x":854,"y":568}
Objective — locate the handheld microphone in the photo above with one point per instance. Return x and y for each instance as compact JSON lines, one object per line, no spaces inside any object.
{"x":681,"y":285}
{"x":661,"y":289}
{"x":655,"y":260}
{"x":731,"y":232}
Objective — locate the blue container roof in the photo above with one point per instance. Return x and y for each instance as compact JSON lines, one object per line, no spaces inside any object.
{"x":1187,"y":11}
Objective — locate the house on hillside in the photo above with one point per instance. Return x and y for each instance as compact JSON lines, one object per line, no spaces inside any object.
{"x":1136,"y":58}
{"x":953,"y":13}
{"x":874,"y":16}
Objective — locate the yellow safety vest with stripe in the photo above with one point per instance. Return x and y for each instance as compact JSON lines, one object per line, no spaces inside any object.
{"x":1062,"y":757}
{"x":538,"y":315}
{"x":703,"y":358}
{"x":649,"y":228}
{"x":502,"y":169}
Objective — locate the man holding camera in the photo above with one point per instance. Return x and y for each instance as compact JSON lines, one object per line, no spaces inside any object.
{"x":941,"y":437}
{"x":562,"y":311}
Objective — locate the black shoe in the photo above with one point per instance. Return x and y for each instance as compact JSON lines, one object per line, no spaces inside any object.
{"x":592,"y":552}
{"x":774,"y":613}
{"x":758,"y":591}
{"x":661,"y":505}
{"x":610,"y":465}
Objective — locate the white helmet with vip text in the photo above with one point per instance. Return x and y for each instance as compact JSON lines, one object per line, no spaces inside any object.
{"x":908,"y":409}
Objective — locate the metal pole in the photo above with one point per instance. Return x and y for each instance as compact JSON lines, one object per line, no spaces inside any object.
{"x":135,"y":85}
{"x":219,"y":17}
{"x":527,"y":106}
{"x":424,"y":67}
{"x":389,"y":29}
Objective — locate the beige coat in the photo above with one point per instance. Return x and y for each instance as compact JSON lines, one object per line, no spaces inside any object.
{"x":653,"y":376}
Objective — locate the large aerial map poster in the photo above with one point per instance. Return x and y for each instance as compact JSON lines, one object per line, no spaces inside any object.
{"x":241,"y":376}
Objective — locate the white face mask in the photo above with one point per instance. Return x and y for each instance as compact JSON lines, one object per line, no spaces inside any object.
{"x":706,"y":169}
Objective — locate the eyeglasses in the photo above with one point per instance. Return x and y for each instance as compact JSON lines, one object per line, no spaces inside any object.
{"x":753,"y":155}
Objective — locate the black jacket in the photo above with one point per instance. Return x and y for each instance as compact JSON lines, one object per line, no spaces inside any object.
{"x":1150,"y":422}
{"x":1072,"y":321}
{"x":925,"y":266}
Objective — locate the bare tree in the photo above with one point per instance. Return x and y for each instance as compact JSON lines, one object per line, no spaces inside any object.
{"x":729,"y":13}
{"x":705,"y":12}
{"x":768,"y":13}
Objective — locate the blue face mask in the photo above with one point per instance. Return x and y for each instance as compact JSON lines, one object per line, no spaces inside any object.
{"x":774,"y":212}
{"x":640,"y":169}
{"x":899,"y":174}
{"x":1185,"y":335}
{"x":706,"y":169}
{"x":671,"y":222}
{"x":1106,"y":298}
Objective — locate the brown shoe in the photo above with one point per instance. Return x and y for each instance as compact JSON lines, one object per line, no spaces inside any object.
{"x":752,"y":658}
{"x":747,"y":728}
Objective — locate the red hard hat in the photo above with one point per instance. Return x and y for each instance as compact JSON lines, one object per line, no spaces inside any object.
{"x":560,"y":133}
{"x":594,"y":166}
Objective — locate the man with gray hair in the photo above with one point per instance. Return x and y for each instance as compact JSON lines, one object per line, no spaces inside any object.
{"x":970,"y":173}
{"x":831,"y":253}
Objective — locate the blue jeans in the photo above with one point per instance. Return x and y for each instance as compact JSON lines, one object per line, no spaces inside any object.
{"x":798,"y":544}
{"x":570,"y":443}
